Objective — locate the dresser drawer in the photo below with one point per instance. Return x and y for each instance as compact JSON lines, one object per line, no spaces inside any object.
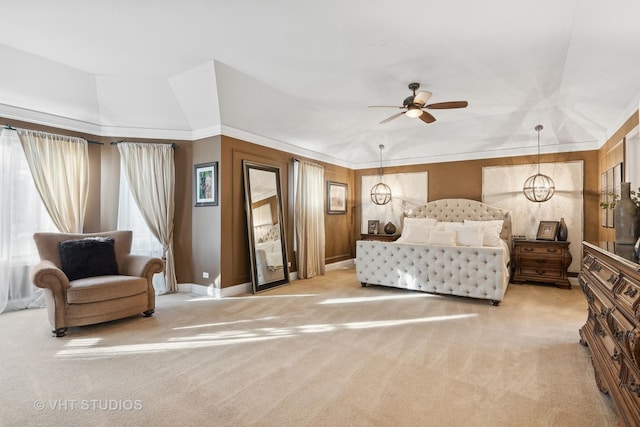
{"x":627,"y":293}
{"x":608,"y":345}
{"x":629,"y":393}
{"x":606,"y":275}
{"x":621,"y":331}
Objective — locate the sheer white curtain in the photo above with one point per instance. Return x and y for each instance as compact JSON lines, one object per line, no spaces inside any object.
{"x":144,"y":242}
{"x":21,"y":214}
{"x":309,"y":220}
{"x":150,"y":173}
{"x":60,"y":169}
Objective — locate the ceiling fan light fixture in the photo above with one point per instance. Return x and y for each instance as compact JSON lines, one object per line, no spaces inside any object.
{"x":413,"y":112}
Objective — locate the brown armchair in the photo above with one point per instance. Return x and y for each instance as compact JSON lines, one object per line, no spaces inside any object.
{"x":123,"y":287}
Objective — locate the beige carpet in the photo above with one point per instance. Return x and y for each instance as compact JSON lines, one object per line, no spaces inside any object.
{"x":319,"y":352}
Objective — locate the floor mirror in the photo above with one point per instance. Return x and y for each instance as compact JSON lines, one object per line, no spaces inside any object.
{"x":263,"y":202}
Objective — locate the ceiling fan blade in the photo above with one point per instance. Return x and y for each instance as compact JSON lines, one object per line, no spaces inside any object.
{"x":383,"y":106}
{"x":427,"y":117}
{"x":422,"y":97}
{"x":388,"y":119}
{"x":446,"y":105}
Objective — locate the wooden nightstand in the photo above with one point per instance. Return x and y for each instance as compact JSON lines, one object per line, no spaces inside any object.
{"x":541,"y":261}
{"x":380,"y":237}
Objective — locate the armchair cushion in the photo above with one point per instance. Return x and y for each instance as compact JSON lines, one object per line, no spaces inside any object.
{"x":105,"y":288}
{"x":89,"y":257}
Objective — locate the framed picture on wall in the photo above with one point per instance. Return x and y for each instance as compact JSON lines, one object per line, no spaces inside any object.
{"x":336,"y":198}
{"x":547,"y":230}
{"x":205,"y":184}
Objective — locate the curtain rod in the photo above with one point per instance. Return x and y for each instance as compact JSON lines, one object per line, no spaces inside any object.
{"x":8,"y":126}
{"x":173,"y":145}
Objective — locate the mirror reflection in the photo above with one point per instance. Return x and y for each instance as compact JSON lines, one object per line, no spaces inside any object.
{"x":265,"y":226}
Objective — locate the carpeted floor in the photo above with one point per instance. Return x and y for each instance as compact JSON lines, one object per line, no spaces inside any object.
{"x":318,"y":352}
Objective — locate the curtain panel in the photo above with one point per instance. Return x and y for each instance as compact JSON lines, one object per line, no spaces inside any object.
{"x":60,"y":169}
{"x":21,"y":214}
{"x":309,"y":220}
{"x":150,"y":171}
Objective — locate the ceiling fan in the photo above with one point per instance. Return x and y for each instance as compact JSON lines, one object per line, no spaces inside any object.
{"x":416,"y":104}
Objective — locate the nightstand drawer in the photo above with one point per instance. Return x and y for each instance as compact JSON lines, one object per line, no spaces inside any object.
{"x":540,"y":250}
{"x":555,"y":263}
{"x":541,"y":270}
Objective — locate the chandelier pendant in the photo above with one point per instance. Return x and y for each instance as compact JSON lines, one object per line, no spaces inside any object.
{"x":539,"y":187}
{"x":381,"y":192}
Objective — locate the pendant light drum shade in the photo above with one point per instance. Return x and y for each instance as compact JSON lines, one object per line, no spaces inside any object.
{"x":539,"y":187}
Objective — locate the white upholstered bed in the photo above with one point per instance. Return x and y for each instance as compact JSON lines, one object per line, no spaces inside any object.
{"x":469,"y":268}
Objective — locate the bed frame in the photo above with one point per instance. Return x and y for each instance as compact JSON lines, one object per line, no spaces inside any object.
{"x":475,"y":272}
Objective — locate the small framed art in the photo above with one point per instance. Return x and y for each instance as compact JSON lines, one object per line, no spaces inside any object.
{"x":205,"y":184}
{"x":373,"y":226}
{"x":336,"y":198}
{"x":547,"y":230}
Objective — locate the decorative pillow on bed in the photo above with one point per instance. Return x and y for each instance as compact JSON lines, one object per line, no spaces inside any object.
{"x":94,"y":256}
{"x":491,"y":230}
{"x":416,"y":230}
{"x":445,"y":238}
{"x":449,"y":225}
{"x":467,"y":235}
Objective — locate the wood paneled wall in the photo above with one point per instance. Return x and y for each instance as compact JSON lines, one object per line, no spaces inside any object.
{"x":609,"y":155}
{"x":234,"y":263}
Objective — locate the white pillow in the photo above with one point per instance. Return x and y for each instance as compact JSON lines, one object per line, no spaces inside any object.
{"x":416,"y":230}
{"x":491,"y":230}
{"x":446,"y":238}
{"x":449,"y":225}
{"x":469,"y":235}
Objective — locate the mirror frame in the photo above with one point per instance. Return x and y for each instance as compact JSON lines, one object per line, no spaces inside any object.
{"x":247,"y":166}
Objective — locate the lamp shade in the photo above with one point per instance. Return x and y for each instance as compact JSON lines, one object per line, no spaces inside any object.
{"x":414,"y":111}
{"x":539,"y":188}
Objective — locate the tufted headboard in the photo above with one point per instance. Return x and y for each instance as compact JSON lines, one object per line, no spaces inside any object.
{"x":452,"y":210}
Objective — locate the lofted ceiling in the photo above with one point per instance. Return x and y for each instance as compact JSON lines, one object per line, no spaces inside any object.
{"x":299,"y":75}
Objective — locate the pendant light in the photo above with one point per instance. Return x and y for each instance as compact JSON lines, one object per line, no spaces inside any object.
{"x":380,"y":193}
{"x":539,"y":187}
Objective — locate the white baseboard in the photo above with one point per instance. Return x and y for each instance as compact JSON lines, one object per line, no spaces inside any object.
{"x":245,"y":288}
{"x":348,"y":263}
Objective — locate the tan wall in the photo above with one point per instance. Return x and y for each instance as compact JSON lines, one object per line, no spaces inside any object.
{"x":464,"y":180}
{"x":235,"y":265}
{"x":609,"y":155}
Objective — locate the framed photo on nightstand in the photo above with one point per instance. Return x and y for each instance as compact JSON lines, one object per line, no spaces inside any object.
{"x":547,"y":230}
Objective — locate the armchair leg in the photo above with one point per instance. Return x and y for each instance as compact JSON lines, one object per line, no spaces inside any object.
{"x":148,"y":313}
{"x":59,"y":332}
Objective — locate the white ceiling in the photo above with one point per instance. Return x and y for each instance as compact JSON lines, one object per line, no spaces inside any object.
{"x":299,"y":75}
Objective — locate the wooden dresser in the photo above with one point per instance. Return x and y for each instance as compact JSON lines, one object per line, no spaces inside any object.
{"x":611,"y":284}
{"x":541,"y":261}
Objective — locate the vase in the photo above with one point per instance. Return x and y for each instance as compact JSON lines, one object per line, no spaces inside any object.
{"x":389,"y":228}
{"x":563,"y":232}
{"x":625,"y":217}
